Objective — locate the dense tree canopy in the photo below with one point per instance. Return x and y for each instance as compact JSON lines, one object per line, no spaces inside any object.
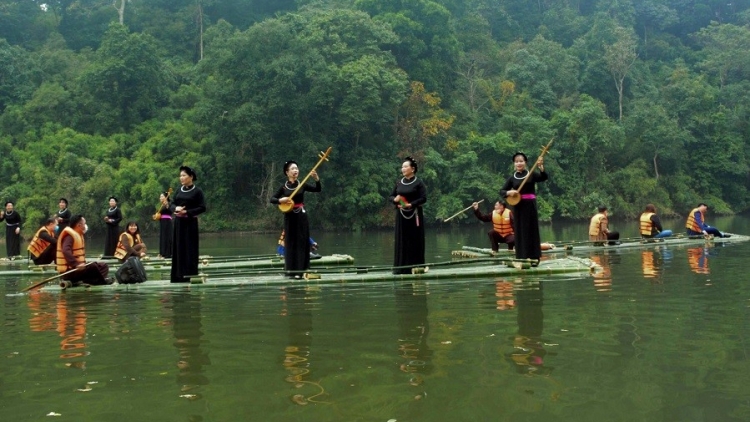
{"x":646,"y":101}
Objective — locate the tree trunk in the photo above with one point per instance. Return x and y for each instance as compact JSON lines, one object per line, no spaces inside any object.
{"x":120,"y":10}
{"x":200,"y":25}
{"x":620,"y":86}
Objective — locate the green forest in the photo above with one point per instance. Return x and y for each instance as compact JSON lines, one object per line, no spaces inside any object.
{"x":647,"y":101}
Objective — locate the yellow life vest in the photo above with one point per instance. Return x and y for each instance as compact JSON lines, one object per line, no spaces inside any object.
{"x":79,"y":250}
{"x":647,"y":226}
{"x":39,"y":245}
{"x":595,"y":227}
{"x":692,"y":224}
{"x":120,"y":251}
{"x":501,"y":222}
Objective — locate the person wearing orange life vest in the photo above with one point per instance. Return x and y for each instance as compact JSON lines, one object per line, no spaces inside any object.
{"x":502,"y":225}
{"x":696,"y":223}
{"x":43,"y":244}
{"x":71,"y":255}
{"x":130,"y":243}
{"x":599,"y":228}
{"x":650,"y":225}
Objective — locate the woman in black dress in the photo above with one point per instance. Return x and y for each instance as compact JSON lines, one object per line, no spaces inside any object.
{"x":186,"y":205}
{"x":296,"y":226}
{"x":525,"y":215}
{"x":408,"y":196}
{"x":63,"y":216}
{"x":12,"y":230}
{"x":165,"y":227}
{"x":112,"y":219}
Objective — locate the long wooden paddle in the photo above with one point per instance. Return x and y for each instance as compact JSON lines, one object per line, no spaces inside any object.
{"x":47,"y":280}
{"x":460,"y":212}
{"x":516,"y":197}
{"x":286,"y":207}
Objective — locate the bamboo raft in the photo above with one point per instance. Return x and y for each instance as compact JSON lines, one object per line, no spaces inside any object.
{"x":443,"y":271}
{"x":571,"y":248}
{"x":207,"y":264}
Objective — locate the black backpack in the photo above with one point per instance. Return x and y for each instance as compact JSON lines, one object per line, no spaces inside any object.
{"x":131,"y":272}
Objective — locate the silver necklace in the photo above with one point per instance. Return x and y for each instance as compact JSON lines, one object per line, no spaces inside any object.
{"x":407,"y":184}
{"x":286,"y":184}
{"x":182,"y":188}
{"x":405,"y":212}
{"x":521,"y":172}
{"x":112,"y":209}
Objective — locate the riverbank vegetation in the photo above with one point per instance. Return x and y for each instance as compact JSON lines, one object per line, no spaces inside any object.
{"x":647,"y":102}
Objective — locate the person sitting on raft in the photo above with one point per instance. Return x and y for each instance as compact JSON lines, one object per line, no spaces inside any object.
{"x":599,"y":229}
{"x":280,"y":249}
{"x":650,"y":225}
{"x":43,"y":244}
{"x":696,"y":223}
{"x":71,"y":255}
{"x":502,"y":225}
{"x":130,"y":243}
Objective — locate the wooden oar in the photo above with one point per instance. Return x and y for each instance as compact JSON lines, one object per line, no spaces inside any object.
{"x":286,"y":207}
{"x":515,"y":199}
{"x":460,"y":212}
{"x":47,"y":280}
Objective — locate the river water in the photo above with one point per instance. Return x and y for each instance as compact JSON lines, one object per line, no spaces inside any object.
{"x":660,"y":335}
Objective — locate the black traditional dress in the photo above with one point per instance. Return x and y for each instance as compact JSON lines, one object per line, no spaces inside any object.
{"x":165,"y":232}
{"x":409,"y":248}
{"x":12,"y":240}
{"x":296,"y":227}
{"x":113,"y":230}
{"x":185,"y":239}
{"x":525,"y":214}
{"x":63,"y":219}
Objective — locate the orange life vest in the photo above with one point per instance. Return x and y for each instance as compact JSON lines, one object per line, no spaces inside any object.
{"x":501,"y":222}
{"x":79,"y":250}
{"x":647,"y":226}
{"x":692,"y":224}
{"x":37,"y":244}
{"x":598,"y":223}
{"x":120,"y":251}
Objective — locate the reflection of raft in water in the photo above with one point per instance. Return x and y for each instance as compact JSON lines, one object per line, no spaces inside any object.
{"x":447,"y":271}
{"x":589,"y":246}
{"x":206,"y":264}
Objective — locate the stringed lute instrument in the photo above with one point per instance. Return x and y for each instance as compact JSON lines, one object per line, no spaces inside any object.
{"x":516,"y":197}
{"x":286,"y":207}
{"x":157,"y":215}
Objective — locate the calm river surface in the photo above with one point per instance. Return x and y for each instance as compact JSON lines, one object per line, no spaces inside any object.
{"x":660,"y":335}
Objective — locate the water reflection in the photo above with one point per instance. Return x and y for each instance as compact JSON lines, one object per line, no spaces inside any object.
{"x":528,"y":348}
{"x":66,"y":317}
{"x":603,"y":278}
{"x":297,"y":300}
{"x":504,"y":293}
{"x":698,"y":260}
{"x":653,"y":262}
{"x":43,"y":315}
{"x":413,"y":331}
{"x":187,"y":329}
